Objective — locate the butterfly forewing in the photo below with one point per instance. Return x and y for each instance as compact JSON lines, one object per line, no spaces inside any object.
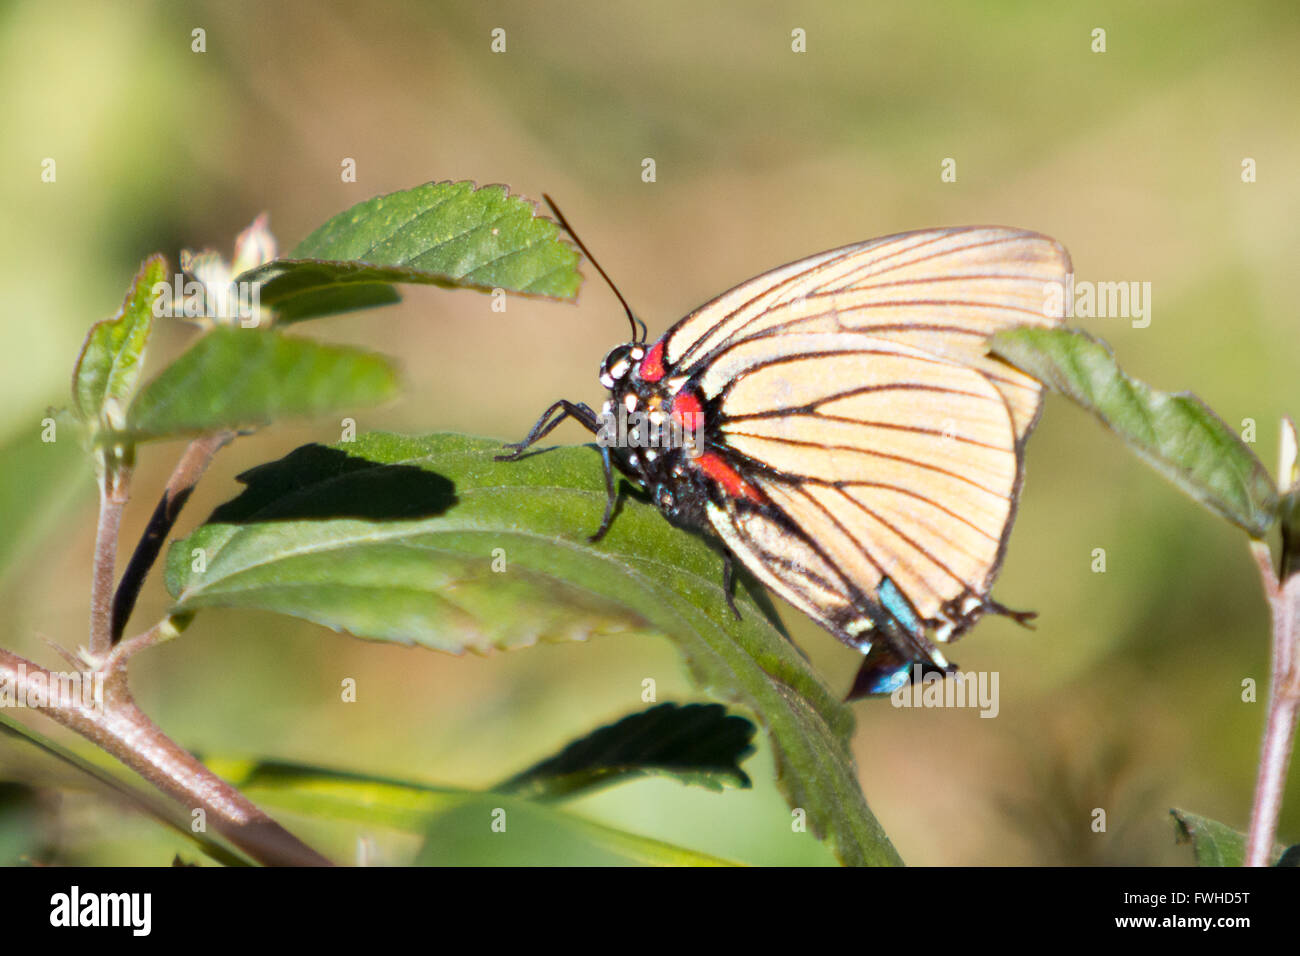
{"x":943,"y":291}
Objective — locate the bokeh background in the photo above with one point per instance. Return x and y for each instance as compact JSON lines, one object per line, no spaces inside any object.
{"x":1127,"y":696}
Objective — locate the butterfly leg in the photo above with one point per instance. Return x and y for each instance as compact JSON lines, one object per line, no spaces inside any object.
{"x":575,"y":410}
{"x":588,"y":419}
{"x":1023,"y":618}
{"x":611,"y":496}
{"x":729,"y":583}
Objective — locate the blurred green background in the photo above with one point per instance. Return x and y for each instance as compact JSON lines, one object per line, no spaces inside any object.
{"x":1126,"y":697}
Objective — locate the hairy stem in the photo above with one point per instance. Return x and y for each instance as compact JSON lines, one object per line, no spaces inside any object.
{"x":193,"y":463}
{"x":116,"y":725}
{"x":114,"y":481}
{"x":1283,"y":708}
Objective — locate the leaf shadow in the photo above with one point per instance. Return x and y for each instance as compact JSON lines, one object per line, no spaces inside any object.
{"x":316,"y":482}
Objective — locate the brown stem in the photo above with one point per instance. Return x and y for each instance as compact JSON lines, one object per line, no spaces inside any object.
{"x":198,"y":455}
{"x":119,"y":727}
{"x":1283,"y":708}
{"x":114,"y":480}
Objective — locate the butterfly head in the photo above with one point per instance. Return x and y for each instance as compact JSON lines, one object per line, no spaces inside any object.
{"x":619,"y":363}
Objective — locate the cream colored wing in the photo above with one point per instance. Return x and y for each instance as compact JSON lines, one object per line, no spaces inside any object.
{"x":879,"y":461}
{"x":942,"y":291}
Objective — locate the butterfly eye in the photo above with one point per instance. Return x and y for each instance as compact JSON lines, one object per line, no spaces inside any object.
{"x":616,"y":365}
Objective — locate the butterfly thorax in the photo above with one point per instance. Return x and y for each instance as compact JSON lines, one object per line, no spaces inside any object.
{"x":655,"y":427}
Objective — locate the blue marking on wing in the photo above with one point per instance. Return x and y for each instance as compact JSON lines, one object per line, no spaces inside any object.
{"x":887,"y":681}
{"x":893,"y":601}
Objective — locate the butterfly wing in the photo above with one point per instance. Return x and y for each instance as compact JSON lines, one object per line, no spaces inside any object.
{"x":890,"y":462}
{"x":944,"y":291}
{"x":852,"y":389}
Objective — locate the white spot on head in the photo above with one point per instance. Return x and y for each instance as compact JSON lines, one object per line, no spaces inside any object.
{"x":619,"y":368}
{"x":629,"y":402}
{"x":606,"y":380}
{"x":637,"y":352}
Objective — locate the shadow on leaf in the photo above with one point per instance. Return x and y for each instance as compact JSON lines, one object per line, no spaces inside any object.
{"x":316,"y":482}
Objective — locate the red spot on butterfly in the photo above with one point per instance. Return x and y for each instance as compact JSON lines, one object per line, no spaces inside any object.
{"x":689,"y":412}
{"x":652,"y":366}
{"x":712,"y":464}
{"x":686,"y":406}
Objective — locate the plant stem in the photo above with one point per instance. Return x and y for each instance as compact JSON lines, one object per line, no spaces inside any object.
{"x":1283,"y":708}
{"x":198,"y":455}
{"x":121,"y":793}
{"x":119,"y":727}
{"x":114,"y":481}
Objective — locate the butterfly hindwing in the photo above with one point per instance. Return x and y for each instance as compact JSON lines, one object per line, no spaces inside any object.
{"x":854,"y":456}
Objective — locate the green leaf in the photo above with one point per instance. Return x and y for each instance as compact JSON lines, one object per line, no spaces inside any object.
{"x":497,"y":830}
{"x":453,"y":235}
{"x":437,"y":812}
{"x":1177,"y":434}
{"x":1214,"y":843}
{"x":326,"y":794}
{"x":696,"y":743}
{"x":329,"y":298}
{"x":1288,"y":509}
{"x":395,"y":538}
{"x":237,"y":377}
{"x":109,"y":366}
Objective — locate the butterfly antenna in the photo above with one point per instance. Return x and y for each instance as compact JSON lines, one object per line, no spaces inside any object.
{"x":632,"y":319}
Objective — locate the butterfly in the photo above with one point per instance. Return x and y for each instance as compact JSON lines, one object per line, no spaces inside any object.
{"x":840,"y":426}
